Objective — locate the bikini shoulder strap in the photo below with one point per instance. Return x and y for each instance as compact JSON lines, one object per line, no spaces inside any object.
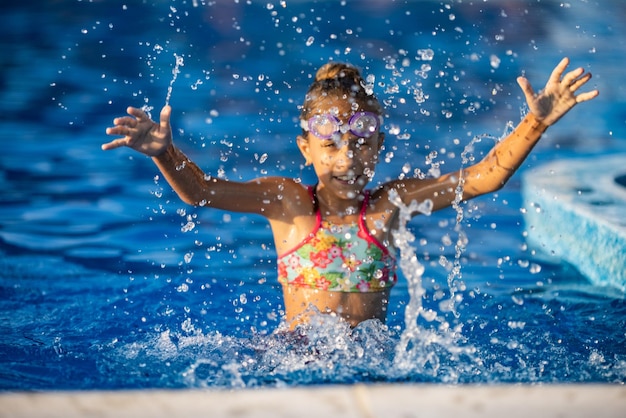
{"x":316,"y":206}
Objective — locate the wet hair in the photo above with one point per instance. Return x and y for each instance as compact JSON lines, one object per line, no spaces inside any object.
{"x":338,"y":81}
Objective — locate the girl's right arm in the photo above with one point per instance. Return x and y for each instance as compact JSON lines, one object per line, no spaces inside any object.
{"x":262,"y":196}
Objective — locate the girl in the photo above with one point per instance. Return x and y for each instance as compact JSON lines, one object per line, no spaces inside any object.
{"x":333,"y":239}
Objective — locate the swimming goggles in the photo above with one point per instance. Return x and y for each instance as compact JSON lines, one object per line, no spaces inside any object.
{"x":361,"y":124}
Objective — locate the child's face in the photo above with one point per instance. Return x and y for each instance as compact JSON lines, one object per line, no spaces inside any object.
{"x":344,"y":160}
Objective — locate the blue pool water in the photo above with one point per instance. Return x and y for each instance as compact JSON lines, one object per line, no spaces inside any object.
{"x":108,"y":281}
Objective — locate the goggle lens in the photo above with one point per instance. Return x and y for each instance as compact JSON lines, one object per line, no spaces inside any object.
{"x":361,"y":124}
{"x":364,"y":125}
{"x":323,"y":126}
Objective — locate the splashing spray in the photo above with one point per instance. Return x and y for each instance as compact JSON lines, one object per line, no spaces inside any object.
{"x":421,"y":350}
{"x":411,"y":267}
{"x":175,"y":71}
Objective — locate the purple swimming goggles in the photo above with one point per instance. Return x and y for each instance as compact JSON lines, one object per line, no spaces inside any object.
{"x":361,"y":124}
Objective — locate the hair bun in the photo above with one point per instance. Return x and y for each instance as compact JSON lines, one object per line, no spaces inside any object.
{"x":335,"y":71}
{"x":342,"y":82}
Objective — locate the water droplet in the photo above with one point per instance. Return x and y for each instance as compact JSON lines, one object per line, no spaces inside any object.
{"x":494,"y":61}
{"x":429,"y":315}
{"x":425,"y":54}
{"x":188,"y":227}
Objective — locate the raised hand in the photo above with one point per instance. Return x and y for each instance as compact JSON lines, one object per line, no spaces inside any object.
{"x":559,"y":94}
{"x":141,"y":133}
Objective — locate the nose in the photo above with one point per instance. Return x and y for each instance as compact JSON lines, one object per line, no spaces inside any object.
{"x":346,"y":154}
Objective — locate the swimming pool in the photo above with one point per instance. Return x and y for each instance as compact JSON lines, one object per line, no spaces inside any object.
{"x":107,"y":281}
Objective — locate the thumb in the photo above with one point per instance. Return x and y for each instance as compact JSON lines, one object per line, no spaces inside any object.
{"x":527,"y":89}
{"x":166,"y":112}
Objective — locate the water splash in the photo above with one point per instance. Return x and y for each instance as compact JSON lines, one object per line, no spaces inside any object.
{"x":409,"y":263}
{"x":423,"y":350}
{"x":180,"y":62}
{"x":454,"y":278}
{"x":325,"y":350}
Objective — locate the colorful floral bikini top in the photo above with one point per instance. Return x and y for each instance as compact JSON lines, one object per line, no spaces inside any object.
{"x":340,"y":258}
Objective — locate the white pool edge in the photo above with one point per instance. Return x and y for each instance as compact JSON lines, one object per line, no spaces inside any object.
{"x":573,"y":211}
{"x":376,"y":400}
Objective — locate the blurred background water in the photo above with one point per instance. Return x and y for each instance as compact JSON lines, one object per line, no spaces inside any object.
{"x":108,"y":281}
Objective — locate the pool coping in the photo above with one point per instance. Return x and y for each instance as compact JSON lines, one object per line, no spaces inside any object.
{"x":360,"y":400}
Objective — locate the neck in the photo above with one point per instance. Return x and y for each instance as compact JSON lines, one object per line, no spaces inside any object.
{"x":332,"y":206}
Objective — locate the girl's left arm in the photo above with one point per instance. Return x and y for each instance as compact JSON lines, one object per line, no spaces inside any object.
{"x":546,"y":108}
{"x":492,"y":172}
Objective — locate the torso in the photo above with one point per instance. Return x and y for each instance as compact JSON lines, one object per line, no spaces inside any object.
{"x":338,"y":257}
{"x":309,"y":269}
{"x":293,"y":227}
{"x":301,"y":303}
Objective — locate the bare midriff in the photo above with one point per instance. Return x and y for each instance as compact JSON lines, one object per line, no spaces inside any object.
{"x":301,"y":303}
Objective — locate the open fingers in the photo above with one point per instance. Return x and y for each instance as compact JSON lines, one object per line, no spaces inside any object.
{"x":583,"y":97}
{"x":125,"y":121}
{"x":575,"y":80}
{"x":116,"y":143}
{"x":555,"y":77}
{"x":577,"y":83}
{"x":120,"y":130}
{"x":571,"y":77}
{"x":137,"y":113}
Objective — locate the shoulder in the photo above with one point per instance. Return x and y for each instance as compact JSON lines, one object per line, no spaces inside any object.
{"x":439,"y":192}
{"x":285,"y":187}
{"x":385,"y":198}
{"x":292,"y":196}
{"x":380,"y":210}
{"x":385,"y":192}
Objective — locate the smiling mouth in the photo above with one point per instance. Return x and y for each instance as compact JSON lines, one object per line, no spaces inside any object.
{"x":348,"y":179}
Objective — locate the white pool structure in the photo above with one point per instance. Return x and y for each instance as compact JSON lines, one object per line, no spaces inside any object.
{"x":575,"y":210}
{"x":366,"y":401}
